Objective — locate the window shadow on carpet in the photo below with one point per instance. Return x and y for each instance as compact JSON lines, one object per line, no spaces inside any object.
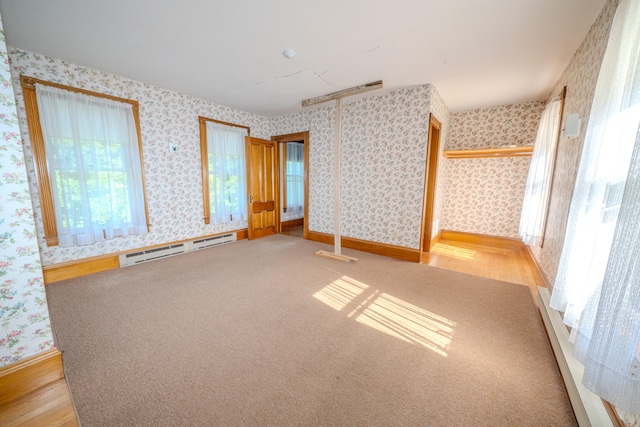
{"x":388,"y":314}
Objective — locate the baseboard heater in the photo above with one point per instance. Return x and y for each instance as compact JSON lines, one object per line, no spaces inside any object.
{"x":208,"y":242}
{"x":138,"y":257}
{"x":587,"y":406}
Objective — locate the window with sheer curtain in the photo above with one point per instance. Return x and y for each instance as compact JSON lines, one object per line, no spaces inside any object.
{"x":94,"y":166}
{"x":227,"y":172}
{"x":538,"y":188}
{"x":598,"y":281}
{"x":294,"y":174}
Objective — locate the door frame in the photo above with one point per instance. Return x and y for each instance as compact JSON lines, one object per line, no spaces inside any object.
{"x":430,"y":178}
{"x":304,"y":137}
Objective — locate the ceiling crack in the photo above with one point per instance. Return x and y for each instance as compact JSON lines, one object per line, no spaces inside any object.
{"x":379,"y":46}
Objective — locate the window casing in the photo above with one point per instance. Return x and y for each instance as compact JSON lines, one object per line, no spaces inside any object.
{"x":46,"y":184}
{"x":537,"y":195}
{"x":224,"y":186}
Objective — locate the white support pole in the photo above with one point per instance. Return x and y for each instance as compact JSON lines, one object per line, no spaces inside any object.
{"x":336,"y":179}
{"x":337,"y":241}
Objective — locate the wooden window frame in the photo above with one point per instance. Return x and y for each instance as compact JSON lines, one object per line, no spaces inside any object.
{"x":37,"y":144}
{"x":563,"y":96}
{"x":204,"y":161}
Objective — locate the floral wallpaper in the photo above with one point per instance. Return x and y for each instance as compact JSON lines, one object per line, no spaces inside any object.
{"x":484,"y":196}
{"x":173,"y":179}
{"x":383,"y":162}
{"x":26,"y":329}
{"x":384,"y":140}
{"x":383,"y":144}
{"x":495,"y":127}
{"x":320,"y":124}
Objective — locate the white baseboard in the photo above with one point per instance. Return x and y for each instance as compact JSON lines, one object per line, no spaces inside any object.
{"x":587,"y":406}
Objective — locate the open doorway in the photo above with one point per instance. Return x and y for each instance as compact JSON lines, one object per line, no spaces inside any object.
{"x":293,"y":167}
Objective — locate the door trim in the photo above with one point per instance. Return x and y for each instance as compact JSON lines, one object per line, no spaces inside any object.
{"x":304,"y":137}
{"x":430,"y":177}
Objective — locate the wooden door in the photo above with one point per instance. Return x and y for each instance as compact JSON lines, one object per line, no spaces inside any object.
{"x":262,"y":185}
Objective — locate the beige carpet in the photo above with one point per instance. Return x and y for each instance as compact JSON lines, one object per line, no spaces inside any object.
{"x":266,"y":333}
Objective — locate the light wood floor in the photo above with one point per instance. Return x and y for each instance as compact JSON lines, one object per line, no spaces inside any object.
{"x":484,"y":261}
{"x":47,"y":406}
{"x":477,"y":260}
{"x":51,"y":405}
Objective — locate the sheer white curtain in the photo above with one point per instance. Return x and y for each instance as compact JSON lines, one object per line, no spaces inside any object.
{"x":227,"y":173}
{"x":93,"y":158}
{"x":295,"y":179}
{"x":536,"y":194}
{"x":598,"y":281}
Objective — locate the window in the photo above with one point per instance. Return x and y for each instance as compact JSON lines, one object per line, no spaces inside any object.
{"x":597,"y":286}
{"x":89,"y":160}
{"x":538,"y":189}
{"x":224,"y":171}
{"x":293,"y":191}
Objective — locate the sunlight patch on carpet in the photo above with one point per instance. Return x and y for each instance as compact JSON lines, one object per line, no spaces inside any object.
{"x":388,"y":314}
{"x":340,"y":293}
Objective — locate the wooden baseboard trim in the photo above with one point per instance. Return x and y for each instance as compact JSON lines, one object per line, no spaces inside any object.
{"x":398,"y":252}
{"x":291,"y":223}
{"x":25,"y":376}
{"x":436,"y":239}
{"x":68,"y":270}
{"x":82,"y":267}
{"x":317,"y":236}
{"x":482,"y":239}
{"x":240,"y":234}
{"x":535,"y":268}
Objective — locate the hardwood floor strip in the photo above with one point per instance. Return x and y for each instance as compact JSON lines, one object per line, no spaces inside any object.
{"x":499,"y":263}
{"x":23,"y":377}
{"x":49,"y":406}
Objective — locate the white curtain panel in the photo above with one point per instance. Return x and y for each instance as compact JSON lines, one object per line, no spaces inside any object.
{"x":93,"y":159}
{"x":598,"y":283}
{"x":536,"y":195}
{"x":227,"y":173}
{"x":608,"y":340}
{"x":295,"y":179}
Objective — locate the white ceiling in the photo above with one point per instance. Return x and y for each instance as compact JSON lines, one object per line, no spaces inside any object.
{"x":478,"y":53}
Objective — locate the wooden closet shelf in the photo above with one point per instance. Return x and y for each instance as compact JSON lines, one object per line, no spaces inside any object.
{"x":490,"y":152}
